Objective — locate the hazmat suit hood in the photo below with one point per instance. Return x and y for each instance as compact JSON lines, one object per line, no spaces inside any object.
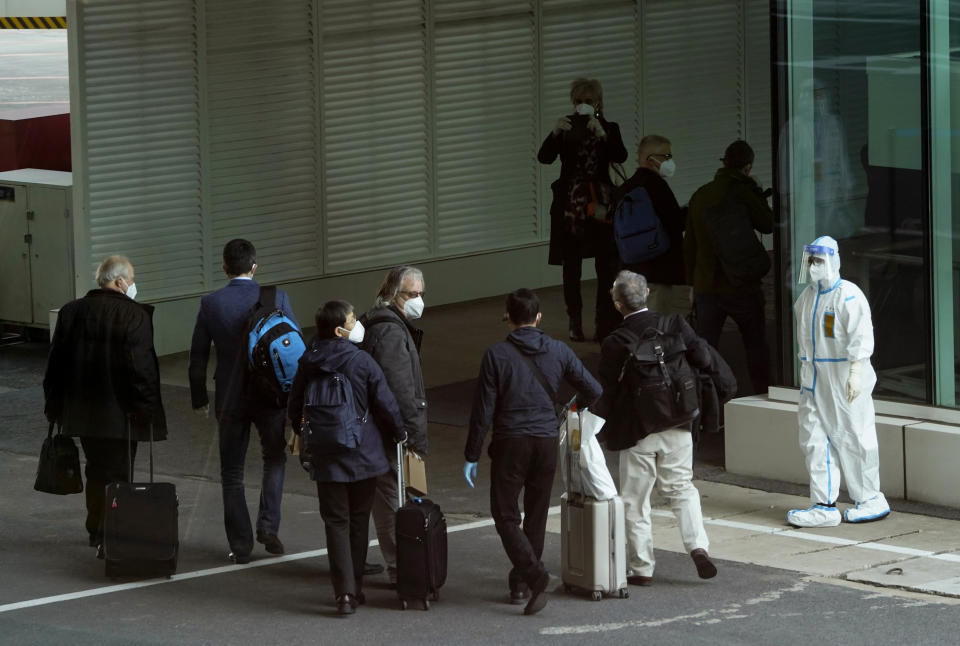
{"x":826,"y":272}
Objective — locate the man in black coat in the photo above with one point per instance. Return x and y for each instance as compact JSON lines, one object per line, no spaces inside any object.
{"x":665,"y":274}
{"x":664,"y":458}
{"x":513,"y":396}
{"x":102,"y":378}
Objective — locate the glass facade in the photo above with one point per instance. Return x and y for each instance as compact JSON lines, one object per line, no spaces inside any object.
{"x":868,"y":95}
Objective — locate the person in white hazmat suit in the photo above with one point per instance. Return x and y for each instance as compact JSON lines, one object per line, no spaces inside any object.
{"x":837,"y":427}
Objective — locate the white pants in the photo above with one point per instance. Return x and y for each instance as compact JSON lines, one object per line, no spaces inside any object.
{"x":663,"y":459}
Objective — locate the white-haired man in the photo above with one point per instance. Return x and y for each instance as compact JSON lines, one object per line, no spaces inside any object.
{"x":102,"y":376}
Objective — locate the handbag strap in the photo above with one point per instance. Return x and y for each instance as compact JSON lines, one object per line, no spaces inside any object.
{"x":535,"y":369}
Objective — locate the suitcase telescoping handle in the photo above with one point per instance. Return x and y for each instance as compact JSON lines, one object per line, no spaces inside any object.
{"x":130,"y":450}
{"x":400,"y":492}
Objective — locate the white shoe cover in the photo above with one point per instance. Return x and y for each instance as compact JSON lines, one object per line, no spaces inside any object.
{"x":873,"y":509}
{"x":816,"y":516}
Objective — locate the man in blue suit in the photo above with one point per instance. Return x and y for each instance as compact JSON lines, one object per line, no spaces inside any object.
{"x":221,"y":319}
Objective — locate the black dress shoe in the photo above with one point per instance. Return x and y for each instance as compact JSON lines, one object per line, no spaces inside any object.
{"x":576,"y":333}
{"x":346,"y":605}
{"x":372,"y":568}
{"x":239,"y":559}
{"x":270,"y":542}
{"x":519,"y":597}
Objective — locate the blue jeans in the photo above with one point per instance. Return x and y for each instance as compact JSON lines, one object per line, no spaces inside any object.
{"x":234,"y":439}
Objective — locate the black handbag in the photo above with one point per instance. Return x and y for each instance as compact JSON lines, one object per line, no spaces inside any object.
{"x":59,"y":469}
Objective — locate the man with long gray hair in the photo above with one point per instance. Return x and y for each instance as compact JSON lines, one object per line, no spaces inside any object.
{"x":102,"y":377}
{"x":663,"y":458}
{"x":394,"y":342}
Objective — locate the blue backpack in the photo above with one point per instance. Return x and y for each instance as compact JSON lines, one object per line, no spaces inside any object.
{"x":274,"y":346}
{"x":330,"y":422}
{"x":639,"y":234}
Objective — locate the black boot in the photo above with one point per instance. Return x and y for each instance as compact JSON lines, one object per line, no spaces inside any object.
{"x":576,"y":329}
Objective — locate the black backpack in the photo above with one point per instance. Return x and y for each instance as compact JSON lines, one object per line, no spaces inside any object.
{"x":739,"y":252}
{"x":330,"y":422}
{"x":272,"y":346}
{"x":662,"y":387}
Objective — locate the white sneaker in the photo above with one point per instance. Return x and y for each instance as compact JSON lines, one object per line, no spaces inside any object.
{"x":816,"y":516}
{"x":873,"y":509}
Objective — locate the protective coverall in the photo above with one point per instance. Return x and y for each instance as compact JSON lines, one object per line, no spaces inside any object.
{"x":836,"y":415}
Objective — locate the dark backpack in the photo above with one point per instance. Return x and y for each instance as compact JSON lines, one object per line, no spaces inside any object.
{"x":330,"y":423}
{"x":273,"y":345}
{"x":662,"y":387}
{"x":739,"y":252}
{"x":637,"y":229}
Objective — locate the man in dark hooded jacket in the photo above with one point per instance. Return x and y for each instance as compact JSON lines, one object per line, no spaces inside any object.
{"x":512,"y":397}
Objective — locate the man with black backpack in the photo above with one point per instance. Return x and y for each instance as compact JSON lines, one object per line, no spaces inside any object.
{"x":249,"y":389}
{"x":650,"y":396}
{"x":648,"y":226}
{"x":725,"y":260}
{"x":516,"y":394}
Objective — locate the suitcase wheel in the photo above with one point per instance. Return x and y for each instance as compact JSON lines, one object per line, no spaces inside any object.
{"x":426,"y":604}
{"x":596,"y":595}
{"x":403,"y":604}
{"x":624,"y":594}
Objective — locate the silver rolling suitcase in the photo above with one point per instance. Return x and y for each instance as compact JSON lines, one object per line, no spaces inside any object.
{"x":593,"y":545}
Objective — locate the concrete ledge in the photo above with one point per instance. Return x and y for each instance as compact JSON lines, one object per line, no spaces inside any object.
{"x":932,"y":452}
{"x":761,"y":441}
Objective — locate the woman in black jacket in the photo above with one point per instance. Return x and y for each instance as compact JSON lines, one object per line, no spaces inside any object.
{"x":345,"y":468}
{"x":580,"y":225}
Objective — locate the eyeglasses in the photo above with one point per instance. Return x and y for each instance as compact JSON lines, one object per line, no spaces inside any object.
{"x":665,"y":156}
{"x":412,"y":294}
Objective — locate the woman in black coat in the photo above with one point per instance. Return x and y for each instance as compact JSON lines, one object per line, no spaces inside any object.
{"x":346,"y":477}
{"x":580,"y":225}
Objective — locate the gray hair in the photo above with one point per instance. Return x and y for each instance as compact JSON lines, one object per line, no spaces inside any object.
{"x":649,"y":142}
{"x":630,"y":289}
{"x":393,"y":283}
{"x":112,"y":268}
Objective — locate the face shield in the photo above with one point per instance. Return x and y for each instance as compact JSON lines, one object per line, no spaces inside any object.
{"x":820,"y":262}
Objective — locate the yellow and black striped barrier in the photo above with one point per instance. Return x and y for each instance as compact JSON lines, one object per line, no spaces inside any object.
{"x":41,"y":22}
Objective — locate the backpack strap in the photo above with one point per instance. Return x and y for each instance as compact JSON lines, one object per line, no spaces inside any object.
{"x":535,"y":369}
{"x":267,"y":296}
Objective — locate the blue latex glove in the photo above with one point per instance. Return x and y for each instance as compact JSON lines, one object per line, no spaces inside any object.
{"x":470,"y":472}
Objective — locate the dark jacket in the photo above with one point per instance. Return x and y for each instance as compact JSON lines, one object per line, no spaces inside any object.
{"x":616,"y":406}
{"x":221,"y":319}
{"x":371,"y":395}
{"x":103,"y":369}
{"x":718,"y":385}
{"x":565,"y":146}
{"x":395,"y":344}
{"x":667,"y":269}
{"x":510,"y":396}
{"x":703,"y":268}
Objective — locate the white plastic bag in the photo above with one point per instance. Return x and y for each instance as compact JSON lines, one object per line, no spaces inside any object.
{"x":583,"y":467}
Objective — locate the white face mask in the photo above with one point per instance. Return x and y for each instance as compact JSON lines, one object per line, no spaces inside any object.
{"x":668,"y":168}
{"x":413,"y":308}
{"x":585,"y":109}
{"x":356,"y":334}
{"x":131,"y":291}
{"x":818,"y":272}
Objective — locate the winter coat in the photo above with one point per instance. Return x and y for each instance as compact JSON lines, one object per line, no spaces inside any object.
{"x":600,"y":234}
{"x":371,"y":396}
{"x":702,"y":266}
{"x":667,"y":269}
{"x":102,"y":369}
{"x":616,"y":406}
{"x":395,"y":344}
{"x":509,"y":395}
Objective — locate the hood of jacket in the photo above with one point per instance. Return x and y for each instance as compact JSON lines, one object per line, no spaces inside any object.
{"x":330,"y":353}
{"x":531,"y":340}
{"x":391,"y":315}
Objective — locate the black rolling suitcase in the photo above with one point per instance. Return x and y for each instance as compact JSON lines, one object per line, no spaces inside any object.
{"x":421,"y":546}
{"x":140,"y":533}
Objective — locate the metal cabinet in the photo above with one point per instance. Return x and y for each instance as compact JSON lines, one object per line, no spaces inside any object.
{"x":36,"y":244}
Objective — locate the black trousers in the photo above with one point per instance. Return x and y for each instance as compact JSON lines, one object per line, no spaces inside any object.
{"x":106,"y":462}
{"x":345,"y":509}
{"x":606,"y":317}
{"x":747,"y":310}
{"x":524,"y":464}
